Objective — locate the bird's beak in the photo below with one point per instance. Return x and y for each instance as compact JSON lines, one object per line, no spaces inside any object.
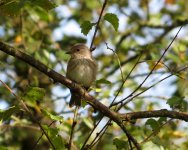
{"x":68,"y":52}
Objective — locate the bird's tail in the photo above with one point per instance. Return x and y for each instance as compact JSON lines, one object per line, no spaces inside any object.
{"x":75,"y":99}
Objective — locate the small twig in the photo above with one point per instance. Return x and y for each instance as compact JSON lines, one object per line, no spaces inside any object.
{"x":85,"y":142}
{"x":35,"y":145}
{"x":125,"y":80}
{"x":132,"y":97}
{"x":130,"y":137}
{"x":97,"y":26}
{"x":28,"y":127}
{"x":119,"y":63}
{"x":152,"y":68}
{"x":73,"y":126}
{"x":99,"y":135}
{"x":157,"y":39}
{"x":148,"y":61}
{"x":155,"y":132}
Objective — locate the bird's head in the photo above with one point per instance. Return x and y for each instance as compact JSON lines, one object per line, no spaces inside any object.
{"x":79,"y":50}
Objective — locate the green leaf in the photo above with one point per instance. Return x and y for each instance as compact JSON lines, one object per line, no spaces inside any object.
{"x":52,"y":116}
{"x":88,"y":122}
{"x":120,"y":144}
{"x":6,"y":114}
{"x":45,"y":4}
{"x":55,"y":138}
{"x":156,"y":140}
{"x":175,"y":102}
{"x":113,"y":19}
{"x":103,"y":81}
{"x":86,"y":26}
{"x":3,"y":148}
{"x":162,"y":120}
{"x":153,"y":124}
{"x":33,"y":94}
{"x":11,"y":8}
{"x":38,"y":13}
{"x":98,"y":90}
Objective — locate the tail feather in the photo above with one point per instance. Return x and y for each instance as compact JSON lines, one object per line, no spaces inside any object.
{"x":75,"y":99}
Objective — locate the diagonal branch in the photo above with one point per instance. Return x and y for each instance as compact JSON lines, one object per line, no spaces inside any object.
{"x":59,"y":78}
{"x":116,"y":117}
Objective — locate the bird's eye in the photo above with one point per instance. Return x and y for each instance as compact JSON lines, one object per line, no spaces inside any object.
{"x":78,"y":50}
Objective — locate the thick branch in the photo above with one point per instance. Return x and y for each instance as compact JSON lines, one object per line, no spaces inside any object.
{"x":155,"y":113}
{"x":59,"y":78}
{"x":91,"y":100}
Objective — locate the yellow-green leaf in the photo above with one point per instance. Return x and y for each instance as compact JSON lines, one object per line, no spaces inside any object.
{"x":52,"y":116}
{"x":113,"y":19}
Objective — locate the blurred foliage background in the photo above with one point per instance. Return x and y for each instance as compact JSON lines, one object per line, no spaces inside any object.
{"x":46,"y":29}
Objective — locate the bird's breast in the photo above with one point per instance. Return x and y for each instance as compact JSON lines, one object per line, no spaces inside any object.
{"x":82,"y":71}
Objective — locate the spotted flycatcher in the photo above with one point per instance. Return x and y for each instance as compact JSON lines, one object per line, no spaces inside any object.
{"x":81,"y":69}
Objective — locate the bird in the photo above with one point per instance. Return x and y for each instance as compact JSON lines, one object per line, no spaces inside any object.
{"x":81,"y":69}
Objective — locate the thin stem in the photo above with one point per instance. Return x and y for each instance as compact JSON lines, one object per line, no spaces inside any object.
{"x":35,"y":145}
{"x":97,"y":26}
{"x":130,"y":137}
{"x":129,"y":100}
{"x":73,"y":127}
{"x":91,"y":133}
{"x":155,"y":132}
{"x":151,"y":69}
{"x":119,"y":63}
{"x":99,"y":134}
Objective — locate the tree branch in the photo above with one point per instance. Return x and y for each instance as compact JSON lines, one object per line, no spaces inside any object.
{"x":116,"y":117}
{"x":59,"y":78}
{"x":63,"y":80}
{"x":155,"y":113}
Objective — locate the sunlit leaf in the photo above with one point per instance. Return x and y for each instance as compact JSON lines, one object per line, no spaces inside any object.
{"x":153,"y":63}
{"x":103,"y":81}
{"x":178,"y":134}
{"x":88,"y":122}
{"x":33,"y":94}
{"x":52,"y":116}
{"x":113,"y":19}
